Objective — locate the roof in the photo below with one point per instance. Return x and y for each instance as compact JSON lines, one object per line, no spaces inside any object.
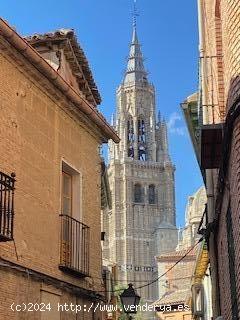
{"x":79,"y":63}
{"x":192,"y":98}
{"x":178,"y":254}
{"x":177,"y":282}
{"x":190,"y":111}
{"x":135,"y":72}
{"x":27,"y":51}
{"x":174,"y":297}
{"x":166,"y":225}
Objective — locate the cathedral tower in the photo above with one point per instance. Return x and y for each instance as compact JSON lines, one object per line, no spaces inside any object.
{"x":142,"y":222}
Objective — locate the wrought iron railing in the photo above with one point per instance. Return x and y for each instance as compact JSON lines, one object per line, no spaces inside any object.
{"x":74,"y":250}
{"x":6,"y":206}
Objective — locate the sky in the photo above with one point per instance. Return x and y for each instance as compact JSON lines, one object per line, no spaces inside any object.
{"x":168,"y":33}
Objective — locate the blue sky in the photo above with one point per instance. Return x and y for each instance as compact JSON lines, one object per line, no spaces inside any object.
{"x":168,"y":33}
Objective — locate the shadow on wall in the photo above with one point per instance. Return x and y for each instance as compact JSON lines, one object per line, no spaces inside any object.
{"x":233,"y":92}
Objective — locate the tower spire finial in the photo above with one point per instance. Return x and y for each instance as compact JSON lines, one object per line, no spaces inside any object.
{"x":135,"y":71}
{"x":135,"y":13}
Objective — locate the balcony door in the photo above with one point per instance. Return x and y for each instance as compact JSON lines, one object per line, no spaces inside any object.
{"x":71,"y":217}
{"x":71,"y":196}
{"x":66,"y":217}
{"x":67,"y":194}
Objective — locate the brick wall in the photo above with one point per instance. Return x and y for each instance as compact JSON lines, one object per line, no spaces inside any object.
{"x":212,"y":63}
{"x":223,"y":41}
{"x":224,"y":280}
{"x":39,"y":131}
{"x":221,"y":85}
{"x":231,"y":199}
{"x":21,"y":289}
{"x":230,"y":10}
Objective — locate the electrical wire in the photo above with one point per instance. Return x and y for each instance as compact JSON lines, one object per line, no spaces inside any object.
{"x":140,"y":287}
{"x":163,"y":274}
{"x":135,"y":281}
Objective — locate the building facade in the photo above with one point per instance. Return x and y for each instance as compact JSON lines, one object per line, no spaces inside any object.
{"x":50,"y":248}
{"x":194,"y":211}
{"x":217,"y":136}
{"x":201,"y":302}
{"x":142,"y":222}
{"x":174,"y":287}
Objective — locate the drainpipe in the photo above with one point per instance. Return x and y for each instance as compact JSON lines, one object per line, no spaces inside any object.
{"x":203,"y":70}
{"x":202,"y":88}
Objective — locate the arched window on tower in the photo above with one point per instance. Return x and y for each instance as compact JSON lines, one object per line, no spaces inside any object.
{"x":152,"y":194}
{"x":141,"y":140}
{"x":138,"y":193}
{"x":130,"y":138}
{"x":141,"y":131}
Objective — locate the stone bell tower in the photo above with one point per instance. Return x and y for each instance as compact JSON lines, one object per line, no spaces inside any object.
{"x":142,"y":222}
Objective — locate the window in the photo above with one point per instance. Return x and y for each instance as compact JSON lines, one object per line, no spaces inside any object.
{"x":130,"y":131}
{"x":151,"y":194}
{"x":138,"y":193}
{"x":71,"y":192}
{"x":141,"y":140}
{"x":74,"y":235}
{"x":141,"y":131}
{"x":66,"y":194}
{"x":142,"y":153}
{"x":131,"y":152}
{"x":198,"y":300}
{"x":66,"y":212}
{"x":130,"y":138}
{"x":6,"y":206}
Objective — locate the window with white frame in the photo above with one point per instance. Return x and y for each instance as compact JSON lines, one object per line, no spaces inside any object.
{"x":71,"y":191}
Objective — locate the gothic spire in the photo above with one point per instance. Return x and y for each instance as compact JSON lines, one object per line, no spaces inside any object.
{"x":135,"y":71}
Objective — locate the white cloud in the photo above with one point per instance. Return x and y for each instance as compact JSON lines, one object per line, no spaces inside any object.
{"x":173,"y":126}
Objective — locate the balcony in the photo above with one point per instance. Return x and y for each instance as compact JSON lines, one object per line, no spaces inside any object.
{"x":6,"y":206}
{"x":211,"y":145}
{"x":74,"y":249}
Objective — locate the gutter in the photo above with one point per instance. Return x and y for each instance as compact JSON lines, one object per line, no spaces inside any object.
{"x":53,"y":76}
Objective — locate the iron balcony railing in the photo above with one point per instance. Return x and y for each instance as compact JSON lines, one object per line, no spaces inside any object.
{"x":6,"y":206}
{"x":74,"y":250}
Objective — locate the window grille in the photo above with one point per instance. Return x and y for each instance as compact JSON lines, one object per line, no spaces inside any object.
{"x":6,"y":206}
